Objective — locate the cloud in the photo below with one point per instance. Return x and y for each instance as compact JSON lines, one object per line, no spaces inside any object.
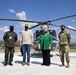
{"x":22,"y":16}
{"x":4,"y":29}
{"x":12,"y":11}
{"x":71,"y":27}
{"x":73,"y":20}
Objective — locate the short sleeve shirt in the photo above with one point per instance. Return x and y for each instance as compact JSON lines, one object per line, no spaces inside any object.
{"x":26,"y":36}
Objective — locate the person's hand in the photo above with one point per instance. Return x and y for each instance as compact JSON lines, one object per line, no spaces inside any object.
{"x":20,"y":45}
{"x":32,"y":44}
{"x":39,"y":46}
{"x":50,"y":47}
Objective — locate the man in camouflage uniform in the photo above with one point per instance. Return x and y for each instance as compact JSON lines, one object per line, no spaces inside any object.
{"x":64,"y":38}
{"x":10,"y":37}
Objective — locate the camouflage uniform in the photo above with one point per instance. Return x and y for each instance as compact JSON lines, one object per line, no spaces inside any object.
{"x":64,"y":38}
{"x":10,"y":38}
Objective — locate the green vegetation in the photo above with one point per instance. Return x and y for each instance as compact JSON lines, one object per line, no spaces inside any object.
{"x":72,"y":46}
{"x":17,"y":48}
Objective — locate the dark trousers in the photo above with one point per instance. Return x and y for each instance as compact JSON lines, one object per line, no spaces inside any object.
{"x":9,"y":53}
{"x":21,"y":51}
{"x":46,"y":57}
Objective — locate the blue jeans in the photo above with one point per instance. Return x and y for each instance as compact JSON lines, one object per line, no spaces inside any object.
{"x":26,"y":50}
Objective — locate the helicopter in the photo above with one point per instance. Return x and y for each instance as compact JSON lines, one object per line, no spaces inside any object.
{"x":43,"y":25}
{"x":53,"y":33}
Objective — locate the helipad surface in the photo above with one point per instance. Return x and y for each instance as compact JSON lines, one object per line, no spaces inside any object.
{"x":35,"y":68}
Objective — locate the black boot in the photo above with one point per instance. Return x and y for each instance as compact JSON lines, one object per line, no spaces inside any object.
{"x":5,"y":64}
{"x":10,"y":64}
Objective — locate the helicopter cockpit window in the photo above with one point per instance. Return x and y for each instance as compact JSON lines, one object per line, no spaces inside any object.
{"x":52,"y":32}
{"x":38,"y":33}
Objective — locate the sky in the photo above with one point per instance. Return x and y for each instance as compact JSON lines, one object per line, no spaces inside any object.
{"x":37,"y":10}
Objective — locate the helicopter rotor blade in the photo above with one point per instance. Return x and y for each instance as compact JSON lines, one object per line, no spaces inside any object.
{"x":55,"y":25}
{"x":70,"y":29}
{"x":9,"y":19}
{"x":54,"y":38}
{"x":62,"y":18}
{"x":65,"y":27}
{"x":6,"y":19}
{"x":34,"y":26}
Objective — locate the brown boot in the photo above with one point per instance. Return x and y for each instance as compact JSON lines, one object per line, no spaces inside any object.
{"x":62,"y":65}
{"x":68,"y":65}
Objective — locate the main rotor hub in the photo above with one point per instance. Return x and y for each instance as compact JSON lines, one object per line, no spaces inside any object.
{"x":44,"y":26}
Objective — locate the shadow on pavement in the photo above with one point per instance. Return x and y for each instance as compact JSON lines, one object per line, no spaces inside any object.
{"x":56,"y":64}
{"x":36,"y":62}
{"x":20,"y":62}
{"x":39,"y":55}
{"x":39,"y":63}
{"x":72,"y":56}
{"x":2,"y":62}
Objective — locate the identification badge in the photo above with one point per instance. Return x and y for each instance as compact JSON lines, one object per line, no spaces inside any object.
{"x":10,"y":37}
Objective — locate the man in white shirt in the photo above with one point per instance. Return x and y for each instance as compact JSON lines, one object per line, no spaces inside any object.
{"x":26,"y":40}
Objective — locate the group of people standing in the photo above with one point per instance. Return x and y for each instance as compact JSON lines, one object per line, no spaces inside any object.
{"x":44,"y":44}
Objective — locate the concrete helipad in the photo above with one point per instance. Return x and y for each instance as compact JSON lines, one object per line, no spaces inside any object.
{"x":35,"y":68}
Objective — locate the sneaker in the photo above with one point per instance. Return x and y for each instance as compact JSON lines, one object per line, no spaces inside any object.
{"x":28,"y":64}
{"x":23,"y":63}
{"x":10,"y":64}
